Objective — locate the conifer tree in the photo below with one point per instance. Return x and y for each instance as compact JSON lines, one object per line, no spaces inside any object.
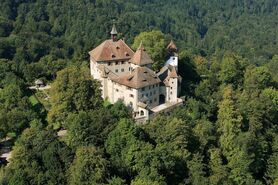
{"x":229,"y":128}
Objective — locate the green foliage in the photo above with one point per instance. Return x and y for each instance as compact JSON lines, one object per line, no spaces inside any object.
{"x":231,"y":70}
{"x":154,"y":43}
{"x":225,"y":133}
{"x":73,"y":91}
{"x":15,"y":110}
{"x":272,"y":65}
{"x":218,"y":171}
{"x":85,"y":128}
{"x":127,"y":147}
{"x":229,"y":122}
{"x":141,"y":181}
{"x":272,"y":170}
{"x":257,"y":78}
{"x":38,"y":158}
{"x":88,"y":167}
{"x":197,"y":171}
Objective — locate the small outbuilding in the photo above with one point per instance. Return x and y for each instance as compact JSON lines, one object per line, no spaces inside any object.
{"x":39,"y":83}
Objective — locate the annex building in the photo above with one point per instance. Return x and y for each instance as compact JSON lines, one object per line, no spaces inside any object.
{"x":127,"y":76}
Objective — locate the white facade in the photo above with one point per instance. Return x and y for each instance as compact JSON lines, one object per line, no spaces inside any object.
{"x":144,"y":99}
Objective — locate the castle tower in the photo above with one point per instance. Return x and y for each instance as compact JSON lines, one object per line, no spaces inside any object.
{"x":173,"y":84}
{"x":172,"y":54}
{"x":114,"y":32}
{"x":141,"y":58}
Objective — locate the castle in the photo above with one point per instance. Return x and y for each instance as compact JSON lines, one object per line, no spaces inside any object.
{"x":127,"y":76}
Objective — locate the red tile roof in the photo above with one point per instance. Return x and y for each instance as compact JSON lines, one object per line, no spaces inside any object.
{"x":138,"y":78}
{"x":172,"y":46}
{"x":141,"y":57}
{"x":110,"y":51}
{"x":173,"y":73}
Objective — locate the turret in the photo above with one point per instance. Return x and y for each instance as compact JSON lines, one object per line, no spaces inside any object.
{"x":172,"y":48}
{"x":114,"y":33}
{"x":172,"y":54}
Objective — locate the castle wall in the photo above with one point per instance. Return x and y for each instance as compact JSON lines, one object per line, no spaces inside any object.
{"x":117,"y":92}
{"x":173,"y":89}
{"x":152,"y":93}
{"x":117,"y":67}
{"x":93,"y":69}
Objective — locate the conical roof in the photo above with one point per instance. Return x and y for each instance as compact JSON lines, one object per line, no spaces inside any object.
{"x":173,"y":73}
{"x":172,"y":46}
{"x":141,"y":57}
{"x":114,"y":30}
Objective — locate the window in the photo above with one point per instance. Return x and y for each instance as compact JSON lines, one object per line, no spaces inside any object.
{"x":143,"y":89}
{"x":141,"y":113}
{"x":116,"y":70}
{"x":171,"y":87}
{"x":151,"y":93}
{"x":122,"y":70}
{"x":147,"y":95}
{"x":131,"y":95}
{"x":171,"y":92}
{"x":155,"y":100}
{"x":151,"y":101}
{"x":142,"y":95}
{"x":154,"y":92}
{"x":131,"y":104}
{"x":129,"y":68}
{"x":123,"y":62}
{"x":150,"y":87}
{"x":128,"y":88}
{"x":109,"y":63}
{"x":117,"y":90}
{"x":116,"y":63}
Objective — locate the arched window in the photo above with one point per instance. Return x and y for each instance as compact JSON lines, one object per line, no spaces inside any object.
{"x":141,"y":113}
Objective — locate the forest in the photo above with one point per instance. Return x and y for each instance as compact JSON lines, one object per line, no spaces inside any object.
{"x":226,"y":133}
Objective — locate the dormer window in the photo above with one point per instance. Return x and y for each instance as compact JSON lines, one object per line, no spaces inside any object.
{"x":113,"y":55}
{"x":130,"y":78}
{"x":126,"y":54}
{"x":117,"y":47}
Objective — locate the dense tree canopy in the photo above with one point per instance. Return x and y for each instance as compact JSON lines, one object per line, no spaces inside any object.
{"x":225,"y":133}
{"x":73,"y":90}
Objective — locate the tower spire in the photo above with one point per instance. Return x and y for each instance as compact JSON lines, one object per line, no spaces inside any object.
{"x":141,"y":46}
{"x":114,"y":32}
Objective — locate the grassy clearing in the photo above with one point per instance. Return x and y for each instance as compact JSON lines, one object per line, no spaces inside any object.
{"x":43,"y":98}
{"x":34,"y":101}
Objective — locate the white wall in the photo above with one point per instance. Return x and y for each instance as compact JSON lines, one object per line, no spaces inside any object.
{"x":118,"y":67}
{"x":173,"y":89}
{"x":152,"y":92}
{"x":118,"y":92}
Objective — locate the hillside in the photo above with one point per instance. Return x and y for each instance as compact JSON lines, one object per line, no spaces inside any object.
{"x":226,"y":132}
{"x":67,"y":29}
